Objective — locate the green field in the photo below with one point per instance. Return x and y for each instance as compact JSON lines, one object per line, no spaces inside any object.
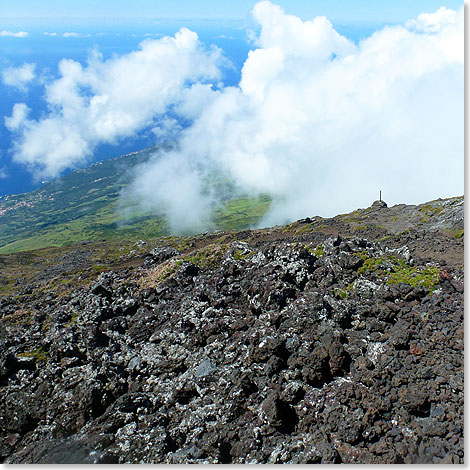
{"x":84,"y":206}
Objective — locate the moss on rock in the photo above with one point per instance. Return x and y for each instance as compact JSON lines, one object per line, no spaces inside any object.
{"x":396,"y":270}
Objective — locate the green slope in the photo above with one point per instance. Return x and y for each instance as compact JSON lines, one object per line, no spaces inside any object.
{"x":83,"y":205}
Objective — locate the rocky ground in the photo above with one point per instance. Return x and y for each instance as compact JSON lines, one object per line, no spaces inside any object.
{"x":317,"y":342}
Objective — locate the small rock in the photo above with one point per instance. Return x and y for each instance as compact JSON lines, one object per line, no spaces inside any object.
{"x":205,"y":368}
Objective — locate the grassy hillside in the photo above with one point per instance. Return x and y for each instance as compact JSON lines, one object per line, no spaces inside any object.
{"x":83,"y":206}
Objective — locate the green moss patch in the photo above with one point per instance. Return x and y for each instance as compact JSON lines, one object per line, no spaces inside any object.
{"x":427,"y":277}
{"x":456,"y":233}
{"x":396,"y":271}
{"x":304,"y":229}
{"x":38,"y":354}
{"x":210,"y":257}
{"x":241,"y":255}
{"x":318,"y":251}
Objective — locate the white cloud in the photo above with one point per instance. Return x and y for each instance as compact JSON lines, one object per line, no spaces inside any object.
{"x":321,"y":124}
{"x":317,"y":122}
{"x":19,"y":34}
{"x":167,"y":129}
{"x":433,"y":22}
{"x":18,"y":117}
{"x":110,"y":99}
{"x":75,"y":35}
{"x":19,"y":77}
{"x":49,"y":34}
{"x":315,"y":39}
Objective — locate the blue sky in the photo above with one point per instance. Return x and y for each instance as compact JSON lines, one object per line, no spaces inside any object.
{"x":336,"y":10}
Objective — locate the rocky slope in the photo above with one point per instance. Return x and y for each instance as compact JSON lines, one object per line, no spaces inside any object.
{"x":317,"y":342}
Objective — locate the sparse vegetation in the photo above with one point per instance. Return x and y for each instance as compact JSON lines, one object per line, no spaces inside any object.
{"x":427,"y":277}
{"x":160,"y":273}
{"x":397,"y":271}
{"x":456,"y":233}
{"x":429,"y":211}
{"x":158,"y":311}
{"x":18,"y":318}
{"x":38,"y":354}
{"x":241,"y":255}
{"x":209,"y":257}
{"x":318,"y":251}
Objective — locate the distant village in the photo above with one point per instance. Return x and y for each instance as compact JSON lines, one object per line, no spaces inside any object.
{"x":5,"y":207}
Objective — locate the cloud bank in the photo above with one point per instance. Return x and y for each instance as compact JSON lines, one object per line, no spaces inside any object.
{"x":317,"y":122}
{"x":321,"y":124}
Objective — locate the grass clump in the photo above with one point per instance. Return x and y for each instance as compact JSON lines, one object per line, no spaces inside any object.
{"x":160,"y":273}
{"x":344,"y":292}
{"x":427,"y":277}
{"x":47,"y":324}
{"x":209,"y":257}
{"x":378,"y":265}
{"x":307,"y":228}
{"x":456,"y":233}
{"x":241,"y":255}
{"x":73,"y":319}
{"x":385,"y":238}
{"x":19,"y":318}
{"x":288,"y":227}
{"x":397,"y":271}
{"x":38,"y":354}
{"x":318,"y":251}
{"x":357,"y":228}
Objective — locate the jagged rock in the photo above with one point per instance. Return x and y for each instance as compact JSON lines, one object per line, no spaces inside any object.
{"x":160,"y":254}
{"x":275,"y":351}
{"x":379,"y":205}
{"x":99,"y":289}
